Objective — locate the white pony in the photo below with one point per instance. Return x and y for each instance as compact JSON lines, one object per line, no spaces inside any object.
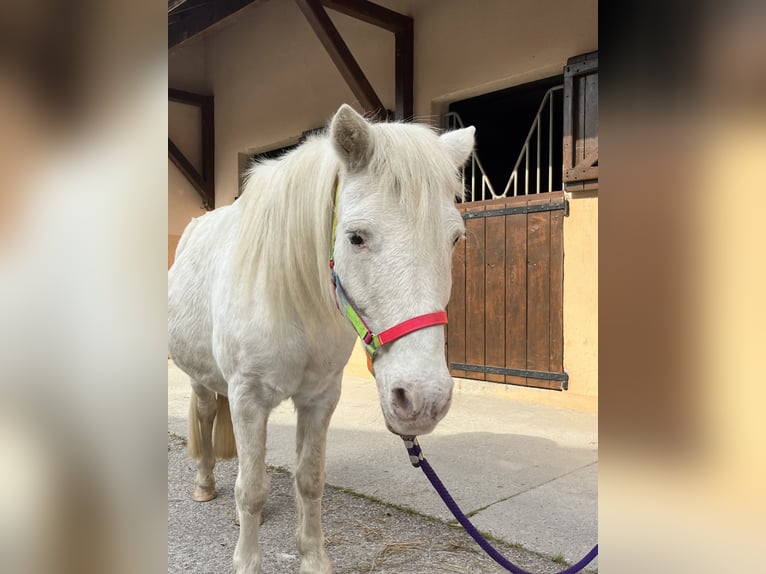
{"x":252,"y":313}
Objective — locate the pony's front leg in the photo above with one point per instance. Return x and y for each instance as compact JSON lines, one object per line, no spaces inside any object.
{"x":313,"y":421}
{"x":252,"y":485}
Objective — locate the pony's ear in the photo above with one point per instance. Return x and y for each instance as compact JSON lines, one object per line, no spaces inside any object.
{"x":459,"y":144}
{"x":350,"y":134}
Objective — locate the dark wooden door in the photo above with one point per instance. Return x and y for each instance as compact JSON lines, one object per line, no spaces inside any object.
{"x":506,"y":308}
{"x":580,"y":144}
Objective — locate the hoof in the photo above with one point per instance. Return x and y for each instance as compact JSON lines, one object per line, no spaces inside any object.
{"x":203,"y":494}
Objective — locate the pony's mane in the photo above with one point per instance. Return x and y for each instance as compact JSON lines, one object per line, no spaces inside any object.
{"x":286,"y":214}
{"x":284,"y":232}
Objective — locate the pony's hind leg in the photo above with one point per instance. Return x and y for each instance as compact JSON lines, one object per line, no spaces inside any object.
{"x":202,"y":410}
{"x":252,"y":485}
{"x":311,"y":440}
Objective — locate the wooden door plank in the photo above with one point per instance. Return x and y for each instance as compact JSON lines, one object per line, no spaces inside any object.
{"x":474,"y":289}
{"x":569,"y":124}
{"x":456,"y":309}
{"x":579,"y":120}
{"x":556,"y":356}
{"x":494,"y":295}
{"x":590,"y":119}
{"x":538,"y":289}
{"x":516,"y":291}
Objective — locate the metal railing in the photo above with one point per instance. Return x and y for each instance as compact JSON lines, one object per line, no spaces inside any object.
{"x":452,"y":120}
{"x":524,"y":155}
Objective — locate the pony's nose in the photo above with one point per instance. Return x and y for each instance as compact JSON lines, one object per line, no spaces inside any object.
{"x":410,"y":403}
{"x":407,"y":403}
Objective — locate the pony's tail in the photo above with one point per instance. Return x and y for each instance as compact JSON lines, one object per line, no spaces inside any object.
{"x":224,"y":445}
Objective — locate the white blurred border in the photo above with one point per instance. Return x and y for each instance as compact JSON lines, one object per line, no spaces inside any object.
{"x":83,"y":289}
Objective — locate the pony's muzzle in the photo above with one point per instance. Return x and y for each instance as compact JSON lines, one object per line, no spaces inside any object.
{"x":414,"y":410}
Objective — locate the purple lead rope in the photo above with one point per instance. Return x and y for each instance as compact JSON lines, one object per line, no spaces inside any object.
{"x":418,"y":460}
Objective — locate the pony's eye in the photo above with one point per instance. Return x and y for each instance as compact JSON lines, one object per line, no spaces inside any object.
{"x":457,"y":238}
{"x":356,"y":239}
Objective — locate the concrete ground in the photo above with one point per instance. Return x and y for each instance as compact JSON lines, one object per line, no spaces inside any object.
{"x":524,"y":473}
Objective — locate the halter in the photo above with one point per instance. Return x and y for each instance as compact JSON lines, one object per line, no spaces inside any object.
{"x":373,"y":341}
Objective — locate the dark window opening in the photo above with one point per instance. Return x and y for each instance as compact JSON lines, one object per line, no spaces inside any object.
{"x":503,"y":120}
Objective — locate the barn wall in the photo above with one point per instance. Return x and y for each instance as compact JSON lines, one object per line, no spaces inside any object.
{"x":184,"y":202}
{"x":465,"y":48}
{"x":581,"y":298}
{"x":272,"y":79}
{"x":186,"y":71}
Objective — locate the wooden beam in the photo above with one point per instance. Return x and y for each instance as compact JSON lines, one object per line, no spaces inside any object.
{"x":403,"y":28}
{"x":191,"y":173}
{"x":188,"y":21}
{"x":189,"y":18}
{"x":190,"y":98}
{"x":204,"y":183}
{"x":404,"y":71}
{"x":370,"y":13}
{"x":208,"y":148}
{"x":341,"y":56}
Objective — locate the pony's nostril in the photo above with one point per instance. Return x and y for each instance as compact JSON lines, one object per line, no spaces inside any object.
{"x":401,"y":399}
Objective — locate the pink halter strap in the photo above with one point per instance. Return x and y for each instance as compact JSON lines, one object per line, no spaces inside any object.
{"x":410,"y":325}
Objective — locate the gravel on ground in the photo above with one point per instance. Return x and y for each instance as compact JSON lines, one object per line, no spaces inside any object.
{"x":362,"y":536}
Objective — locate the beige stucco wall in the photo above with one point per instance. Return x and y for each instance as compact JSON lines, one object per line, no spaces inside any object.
{"x":272,"y":80}
{"x":581,"y":299}
{"x":184,"y":128}
{"x":186,"y":71}
{"x":465,"y":48}
{"x":187,"y":67}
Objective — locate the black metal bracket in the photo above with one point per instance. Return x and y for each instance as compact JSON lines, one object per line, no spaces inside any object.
{"x":562,"y":205}
{"x":543,"y":375}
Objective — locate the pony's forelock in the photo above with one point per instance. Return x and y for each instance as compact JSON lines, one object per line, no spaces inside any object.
{"x":411,"y":163}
